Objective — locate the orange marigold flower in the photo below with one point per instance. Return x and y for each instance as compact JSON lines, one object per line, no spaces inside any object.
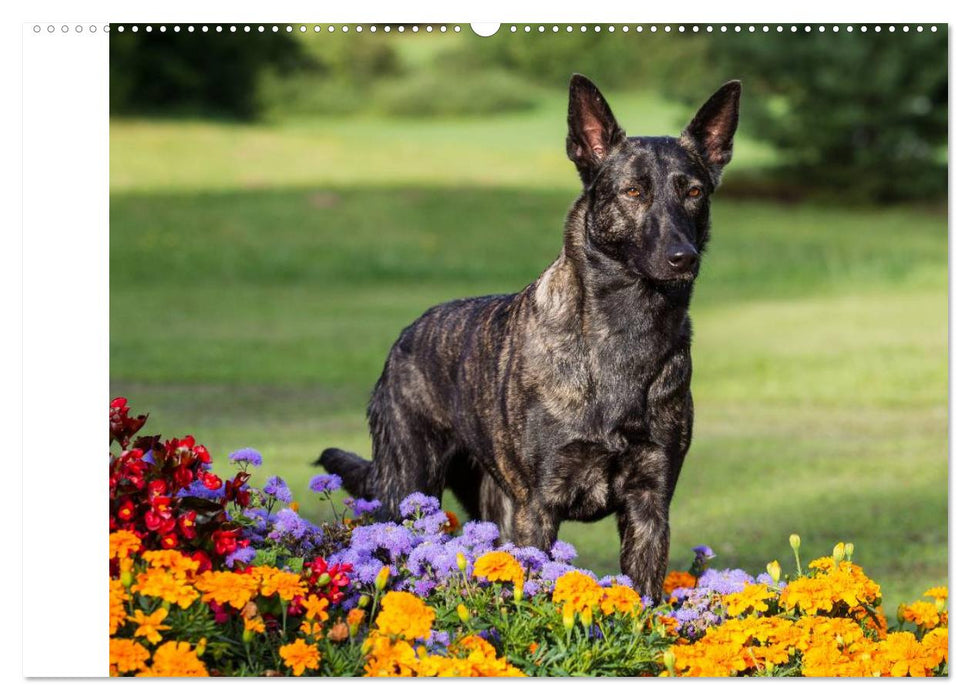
{"x":922,"y":614}
{"x":751,"y":598}
{"x":234,"y":588}
{"x":619,"y":598}
{"x":126,"y":656}
{"x":283,"y":583}
{"x":254,"y":624}
{"x":176,"y":659}
{"x":903,"y":655}
{"x":149,"y":626}
{"x":159,"y":583}
{"x":315,"y":608}
{"x":678,"y":579}
{"x":388,"y":657}
{"x":354,"y":618}
{"x":577,"y":592}
{"x":499,"y":566}
{"x":117,"y":595}
{"x":300,"y":656}
{"x":122,"y":544}
{"x":172,"y":560}
{"x":311,"y":628}
{"x":935,"y":646}
{"x":404,"y":615}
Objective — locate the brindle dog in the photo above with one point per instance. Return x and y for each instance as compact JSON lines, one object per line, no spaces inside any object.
{"x":569,"y":400}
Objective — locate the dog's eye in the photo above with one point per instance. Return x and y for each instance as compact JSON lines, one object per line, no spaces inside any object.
{"x":694,"y":192}
{"x":632,"y":192}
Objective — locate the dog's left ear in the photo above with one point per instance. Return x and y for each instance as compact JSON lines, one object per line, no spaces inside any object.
{"x":711,"y":133}
{"x":591,"y":128}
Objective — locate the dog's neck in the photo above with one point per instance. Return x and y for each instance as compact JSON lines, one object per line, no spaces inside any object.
{"x":610,"y":299}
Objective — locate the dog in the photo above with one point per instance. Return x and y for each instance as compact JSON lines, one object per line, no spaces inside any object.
{"x":571,"y":399}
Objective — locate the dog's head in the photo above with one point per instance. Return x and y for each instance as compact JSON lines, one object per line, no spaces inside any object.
{"x":648,"y":197}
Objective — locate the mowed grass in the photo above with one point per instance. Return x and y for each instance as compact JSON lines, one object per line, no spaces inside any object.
{"x":259,"y":275}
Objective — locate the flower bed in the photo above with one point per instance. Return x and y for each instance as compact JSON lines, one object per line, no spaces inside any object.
{"x":211,"y":576}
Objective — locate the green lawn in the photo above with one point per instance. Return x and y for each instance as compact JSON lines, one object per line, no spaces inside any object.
{"x":259,"y":275}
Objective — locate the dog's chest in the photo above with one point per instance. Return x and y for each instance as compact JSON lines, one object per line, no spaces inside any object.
{"x":583,"y":481}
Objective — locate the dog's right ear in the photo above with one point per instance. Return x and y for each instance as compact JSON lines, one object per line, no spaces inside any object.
{"x":591,"y":128}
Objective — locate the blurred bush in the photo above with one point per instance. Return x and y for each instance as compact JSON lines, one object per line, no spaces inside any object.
{"x":860,"y":115}
{"x":443,"y":92}
{"x":182,"y":73}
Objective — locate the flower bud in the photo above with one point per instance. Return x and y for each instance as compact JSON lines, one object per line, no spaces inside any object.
{"x":849,"y":551}
{"x":774,"y":570}
{"x":364,"y":601}
{"x":901,"y":610}
{"x":381,"y":580}
{"x":567,"y":619}
{"x":126,"y":578}
{"x":940,"y":604}
{"x":462,"y":562}
{"x":463,"y":612}
{"x":323,"y":579}
{"x":794,"y":541}
{"x":586,"y":617}
{"x":517,"y":592}
{"x":839,"y":552}
{"x":769,"y":667}
{"x":669,"y":660}
{"x":247,"y":636}
{"x":201,"y":647}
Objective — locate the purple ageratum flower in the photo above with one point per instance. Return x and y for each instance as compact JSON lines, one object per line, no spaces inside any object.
{"x":531,"y":588}
{"x":553,"y":570}
{"x":197,"y":490}
{"x":289,"y":524}
{"x":421,"y":560}
{"x":618,"y":580}
{"x":563,"y":552}
{"x":277,"y":488}
{"x":422,"y":587}
{"x":430,"y":526}
{"x":703,"y":551}
{"x":530,"y":558}
{"x":724,"y":581}
{"x":323,"y":483}
{"x":362,"y":506}
{"x":479,"y":536}
{"x":417,"y":501}
{"x":395,"y":539}
{"x":248,"y":455}
{"x":243,"y":555}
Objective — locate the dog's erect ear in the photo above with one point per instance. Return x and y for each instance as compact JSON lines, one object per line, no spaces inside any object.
{"x":712,"y":131}
{"x":592,"y":129}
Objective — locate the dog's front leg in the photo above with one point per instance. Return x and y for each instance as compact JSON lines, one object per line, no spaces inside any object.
{"x":644,"y":538}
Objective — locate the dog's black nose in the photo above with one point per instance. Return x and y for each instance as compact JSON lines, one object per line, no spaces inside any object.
{"x":683,"y":260}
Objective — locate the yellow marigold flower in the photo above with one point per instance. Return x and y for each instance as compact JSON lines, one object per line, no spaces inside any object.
{"x":311,"y":628}
{"x":922,"y":614}
{"x":935,"y":646}
{"x":937,"y":593}
{"x":354,"y":619}
{"x":822,"y":564}
{"x":316,"y":608}
{"x":254,"y":624}
{"x":174,"y":561}
{"x":622,"y":599}
{"x":300,"y":656}
{"x":678,"y":579}
{"x":159,"y":583}
{"x":122,"y":544}
{"x":236,"y":589}
{"x":404,"y":615}
{"x":283,"y":583}
{"x":389,"y":658}
{"x":149,"y":626}
{"x":903,"y":655}
{"x":481,"y":659}
{"x":499,"y":566}
{"x":577,"y":591}
{"x":175,"y":659}
{"x":126,"y":656}
{"x":751,"y":598}
{"x":117,"y":595}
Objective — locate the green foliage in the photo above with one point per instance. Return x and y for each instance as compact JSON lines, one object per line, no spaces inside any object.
{"x":194,"y":73}
{"x":448,"y":92}
{"x":861,"y":115}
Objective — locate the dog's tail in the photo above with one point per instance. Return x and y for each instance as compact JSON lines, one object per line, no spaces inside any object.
{"x":351,"y":468}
